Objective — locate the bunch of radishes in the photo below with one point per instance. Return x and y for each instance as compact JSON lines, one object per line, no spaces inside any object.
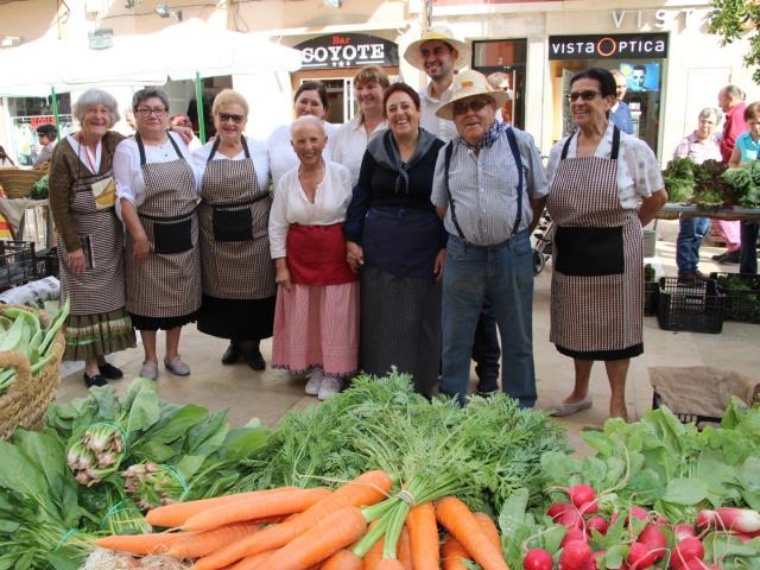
{"x":648,"y":541}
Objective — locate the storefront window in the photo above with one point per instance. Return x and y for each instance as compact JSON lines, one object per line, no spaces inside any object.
{"x":28,"y":113}
{"x":504,"y":63}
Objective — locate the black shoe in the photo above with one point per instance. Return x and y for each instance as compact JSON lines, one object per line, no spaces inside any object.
{"x":94,"y":380}
{"x":692,"y":278}
{"x":727,"y":257}
{"x":231,"y":355}
{"x":255,"y":360}
{"x":110,"y":372}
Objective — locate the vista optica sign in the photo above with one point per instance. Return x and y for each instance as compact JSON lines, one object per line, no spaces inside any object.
{"x":610,"y":46}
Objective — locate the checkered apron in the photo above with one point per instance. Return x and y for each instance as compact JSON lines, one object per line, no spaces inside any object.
{"x":240,"y":269}
{"x":100,"y":289}
{"x":165,"y":285}
{"x":597,"y":279}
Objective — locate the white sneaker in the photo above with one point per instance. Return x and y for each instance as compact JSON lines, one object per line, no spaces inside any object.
{"x":315,"y":382}
{"x":330,"y":386}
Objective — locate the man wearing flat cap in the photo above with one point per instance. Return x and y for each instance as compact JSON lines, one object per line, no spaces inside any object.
{"x":490,"y":189}
{"x":439,"y":55}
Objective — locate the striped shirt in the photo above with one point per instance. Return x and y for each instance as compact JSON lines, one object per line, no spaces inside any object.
{"x":484,"y":188}
{"x":699,"y":150}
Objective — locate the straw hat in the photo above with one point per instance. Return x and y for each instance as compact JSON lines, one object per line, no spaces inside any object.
{"x":414,"y":57}
{"x":468,"y":84}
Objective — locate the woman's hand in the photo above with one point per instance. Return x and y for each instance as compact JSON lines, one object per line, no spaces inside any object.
{"x":282,"y":276}
{"x":440,"y":261}
{"x":141,"y":249}
{"x":76,"y":261}
{"x":354,"y":256}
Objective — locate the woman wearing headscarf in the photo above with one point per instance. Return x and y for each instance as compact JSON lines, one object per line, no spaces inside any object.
{"x":605,"y":187}
{"x":90,"y":238}
{"x":397,"y":242}
{"x":238,"y":273}
{"x":157,"y":187}
{"x":316,"y":328}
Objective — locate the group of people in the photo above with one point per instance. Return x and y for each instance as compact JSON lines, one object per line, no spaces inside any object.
{"x":737,"y":144}
{"x":400,"y":239}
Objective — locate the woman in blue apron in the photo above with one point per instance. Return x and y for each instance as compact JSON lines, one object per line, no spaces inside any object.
{"x":605,"y":186}
{"x":158,"y":187}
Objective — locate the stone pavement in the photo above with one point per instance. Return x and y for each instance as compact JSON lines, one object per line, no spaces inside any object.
{"x":269,"y":394}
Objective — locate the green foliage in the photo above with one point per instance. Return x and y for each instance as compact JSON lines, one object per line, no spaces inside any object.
{"x":732,"y":20}
{"x":679,"y":179}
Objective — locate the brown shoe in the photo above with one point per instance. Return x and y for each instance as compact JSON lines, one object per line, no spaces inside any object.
{"x":692,"y":277}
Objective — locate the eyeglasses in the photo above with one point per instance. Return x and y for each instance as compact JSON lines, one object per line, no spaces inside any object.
{"x":224,"y":117}
{"x":585,"y":95}
{"x":461,"y":107}
{"x":147,"y":111}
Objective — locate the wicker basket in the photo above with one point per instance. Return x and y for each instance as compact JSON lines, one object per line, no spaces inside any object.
{"x":25,"y":403}
{"x":17,"y":183}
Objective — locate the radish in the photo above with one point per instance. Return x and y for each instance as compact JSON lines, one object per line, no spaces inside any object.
{"x":538,"y":559}
{"x":598,"y":524}
{"x":570,"y":519}
{"x":684,"y":530}
{"x":640,"y":556}
{"x":583,"y":498}
{"x":556,"y":509}
{"x":687,"y":549}
{"x":731,"y":518}
{"x":655,"y":540}
{"x":575,"y":555}
{"x":574,"y":534}
{"x":637,"y":513}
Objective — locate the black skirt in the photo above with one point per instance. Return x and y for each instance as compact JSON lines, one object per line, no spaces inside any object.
{"x":237,"y":319}
{"x":143,"y":323}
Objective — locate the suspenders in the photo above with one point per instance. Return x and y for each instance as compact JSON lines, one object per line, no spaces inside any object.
{"x":518,"y":161}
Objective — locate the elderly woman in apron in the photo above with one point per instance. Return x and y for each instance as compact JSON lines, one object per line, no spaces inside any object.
{"x":605,"y":186}
{"x":91,"y":239}
{"x":238,"y":272}
{"x":316,"y":324}
{"x":157,"y":187}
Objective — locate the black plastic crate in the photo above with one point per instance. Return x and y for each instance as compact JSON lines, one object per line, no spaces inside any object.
{"x":693,"y":307}
{"x":17,"y":263}
{"x":47,"y":263}
{"x":742,"y":292}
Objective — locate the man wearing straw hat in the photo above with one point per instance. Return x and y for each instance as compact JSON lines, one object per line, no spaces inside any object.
{"x":490,"y":189}
{"x":439,"y":55}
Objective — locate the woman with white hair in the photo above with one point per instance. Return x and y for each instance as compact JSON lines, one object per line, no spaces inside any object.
{"x":90,"y":238}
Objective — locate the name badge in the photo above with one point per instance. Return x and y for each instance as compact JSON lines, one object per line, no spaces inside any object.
{"x":104,"y":192}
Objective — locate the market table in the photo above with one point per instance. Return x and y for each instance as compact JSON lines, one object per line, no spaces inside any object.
{"x":671,"y":211}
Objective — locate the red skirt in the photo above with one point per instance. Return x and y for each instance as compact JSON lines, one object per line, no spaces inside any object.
{"x":316,"y":255}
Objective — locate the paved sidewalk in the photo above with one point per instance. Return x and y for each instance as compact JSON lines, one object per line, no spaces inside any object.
{"x":270,"y":394}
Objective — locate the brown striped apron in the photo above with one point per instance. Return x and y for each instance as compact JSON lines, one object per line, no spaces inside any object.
{"x":100,"y":289}
{"x":168,"y":283}
{"x":597,"y":278}
{"x":234,"y":230}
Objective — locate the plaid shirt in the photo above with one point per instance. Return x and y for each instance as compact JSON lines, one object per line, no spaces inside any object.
{"x":699,"y":150}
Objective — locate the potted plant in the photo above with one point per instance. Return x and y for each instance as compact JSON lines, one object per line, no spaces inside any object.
{"x":651,"y":291}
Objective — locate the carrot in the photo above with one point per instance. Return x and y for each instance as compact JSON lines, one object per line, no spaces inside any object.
{"x":257,"y":507}
{"x":142,"y":544}
{"x":374,"y":555}
{"x":367,"y":489}
{"x":404,"y":549}
{"x":389,"y":564}
{"x":343,"y":560}
{"x":423,"y":537}
{"x":453,"y":554}
{"x":489,"y":527}
{"x":250,"y":561}
{"x":458,"y":519}
{"x":336,"y":531}
{"x":204,"y":543}
{"x":175,"y":514}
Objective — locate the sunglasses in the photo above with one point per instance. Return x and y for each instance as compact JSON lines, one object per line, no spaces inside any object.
{"x":585,"y":95}
{"x":235,"y":118}
{"x":461,"y":107}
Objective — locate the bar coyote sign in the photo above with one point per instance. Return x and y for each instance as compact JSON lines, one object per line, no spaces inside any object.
{"x":347,"y":50}
{"x":610,"y":46}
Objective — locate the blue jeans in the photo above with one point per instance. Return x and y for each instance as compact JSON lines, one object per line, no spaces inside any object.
{"x":486,"y":351}
{"x":691,"y":231}
{"x":504,"y":274}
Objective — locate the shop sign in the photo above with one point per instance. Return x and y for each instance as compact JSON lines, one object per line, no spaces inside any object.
{"x":610,"y":46}
{"x":347,"y":50}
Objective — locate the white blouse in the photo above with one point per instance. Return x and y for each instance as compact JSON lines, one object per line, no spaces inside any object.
{"x":282,"y":157}
{"x":291,"y":206}
{"x":638,"y":172}
{"x":90,"y":161}
{"x":349,"y":144}
{"x":130,"y":183}
{"x":259,"y":156}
